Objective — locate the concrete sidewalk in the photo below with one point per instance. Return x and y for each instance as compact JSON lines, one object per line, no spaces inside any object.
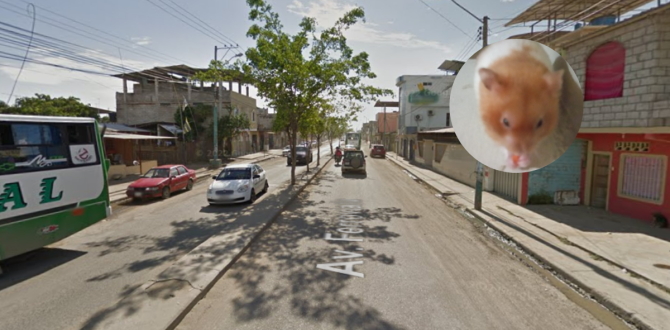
{"x":611,"y":257}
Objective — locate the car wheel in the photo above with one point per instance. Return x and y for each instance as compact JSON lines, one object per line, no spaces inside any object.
{"x":267,"y":185}
{"x":189,"y":186}
{"x":252,"y":197}
{"x":166,"y":193}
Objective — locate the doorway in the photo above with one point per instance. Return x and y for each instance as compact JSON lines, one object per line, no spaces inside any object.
{"x":600,"y":180}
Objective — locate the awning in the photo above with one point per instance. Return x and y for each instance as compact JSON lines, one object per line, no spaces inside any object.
{"x":137,"y":137}
{"x":174,"y":129}
{"x":124,"y":128}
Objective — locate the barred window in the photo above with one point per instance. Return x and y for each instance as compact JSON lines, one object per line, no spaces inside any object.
{"x":642,"y":177}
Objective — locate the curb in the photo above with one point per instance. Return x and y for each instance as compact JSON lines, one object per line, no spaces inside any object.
{"x":182,"y":302}
{"x":613,"y":307}
{"x":197,"y":179}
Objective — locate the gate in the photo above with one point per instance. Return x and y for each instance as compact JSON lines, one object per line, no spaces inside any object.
{"x":507,"y":185}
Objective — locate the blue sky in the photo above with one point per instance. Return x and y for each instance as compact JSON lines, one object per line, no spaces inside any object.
{"x":401,"y":36}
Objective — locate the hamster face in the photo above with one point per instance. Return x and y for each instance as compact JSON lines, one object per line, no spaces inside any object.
{"x":520,"y":109}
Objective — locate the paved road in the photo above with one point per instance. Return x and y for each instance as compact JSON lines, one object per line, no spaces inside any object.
{"x":420,"y":266}
{"x":63,"y":285}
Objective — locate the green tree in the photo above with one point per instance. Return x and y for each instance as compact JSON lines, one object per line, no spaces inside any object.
{"x":196,"y":116}
{"x":230,"y":126}
{"x":291,"y":71}
{"x":45,"y":105}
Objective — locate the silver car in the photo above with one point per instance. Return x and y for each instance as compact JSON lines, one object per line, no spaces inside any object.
{"x":237,"y":184}
{"x":286,"y":151}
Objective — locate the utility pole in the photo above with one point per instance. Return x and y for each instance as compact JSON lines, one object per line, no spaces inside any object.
{"x":480,"y":168}
{"x":218,"y":103}
{"x":384,"y":131}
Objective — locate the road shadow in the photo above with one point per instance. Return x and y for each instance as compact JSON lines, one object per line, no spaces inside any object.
{"x":26,"y":266}
{"x":314,"y":295}
{"x":354,"y":176}
{"x":150,"y":201}
{"x":225,"y":236}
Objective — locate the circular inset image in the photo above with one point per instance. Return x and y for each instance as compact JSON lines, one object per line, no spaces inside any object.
{"x":516,"y":106}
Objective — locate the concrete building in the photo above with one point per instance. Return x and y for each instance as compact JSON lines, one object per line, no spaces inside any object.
{"x":158,"y":93}
{"x":619,"y":161}
{"x":387,"y":135}
{"x":424,"y":105}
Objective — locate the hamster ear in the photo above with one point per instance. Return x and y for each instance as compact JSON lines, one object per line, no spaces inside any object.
{"x":554,"y":80}
{"x":490,"y":79}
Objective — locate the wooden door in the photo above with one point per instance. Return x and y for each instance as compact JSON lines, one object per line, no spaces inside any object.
{"x":600,"y":178}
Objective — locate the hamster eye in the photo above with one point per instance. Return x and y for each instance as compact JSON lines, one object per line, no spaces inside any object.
{"x":539,"y":123}
{"x":505,"y":122}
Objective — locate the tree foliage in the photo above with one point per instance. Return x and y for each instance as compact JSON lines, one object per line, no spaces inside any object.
{"x":196,"y":116}
{"x":45,"y":105}
{"x":231,"y":125}
{"x":293,"y":72}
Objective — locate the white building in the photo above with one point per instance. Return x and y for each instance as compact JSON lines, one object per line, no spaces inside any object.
{"x":424,"y":106}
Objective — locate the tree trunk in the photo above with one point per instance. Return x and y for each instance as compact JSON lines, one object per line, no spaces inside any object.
{"x":330,"y":141}
{"x":318,"y":150}
{"x":293,"y":142}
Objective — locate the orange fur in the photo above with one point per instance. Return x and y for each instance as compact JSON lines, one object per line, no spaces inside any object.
{"x":519,"y":90}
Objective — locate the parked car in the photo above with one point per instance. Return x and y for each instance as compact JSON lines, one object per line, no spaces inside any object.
{"x":353,"y":161}
{"x":286,"y":151}
{"x":378,"y":150}
{"x":237,"y":184}
{"x":302,"y":155}
{"x":161,"y":181}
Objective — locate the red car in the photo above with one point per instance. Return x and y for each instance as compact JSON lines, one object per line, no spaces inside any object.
{"x":377,"y":150}
{"x":161,"y":181}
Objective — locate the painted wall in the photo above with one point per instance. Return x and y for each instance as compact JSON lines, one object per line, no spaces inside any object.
{"x":622,"y":205}
{"x":455,"y":163}
{"x":562,"y":174}
{"x":439,"y":86}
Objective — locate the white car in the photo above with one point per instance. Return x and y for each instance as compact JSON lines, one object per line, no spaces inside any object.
{"x":286,"y":151}
{"x":237,"y":184}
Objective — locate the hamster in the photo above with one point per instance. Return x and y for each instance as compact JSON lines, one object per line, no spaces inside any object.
{"x":518,"y":94}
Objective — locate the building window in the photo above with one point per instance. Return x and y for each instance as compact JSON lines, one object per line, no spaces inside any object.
{"x":642,"y":177}
{"x":605,"y":72}
{"x":253,"y":116}
{"x":448,"y":119}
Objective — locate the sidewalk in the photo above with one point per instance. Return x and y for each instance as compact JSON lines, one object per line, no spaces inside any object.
{"x":117,"y":189}
{"x":611,"y":257}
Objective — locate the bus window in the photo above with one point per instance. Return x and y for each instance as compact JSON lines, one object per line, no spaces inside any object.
{"x":31,"y":147}
{"x":80,"y":134}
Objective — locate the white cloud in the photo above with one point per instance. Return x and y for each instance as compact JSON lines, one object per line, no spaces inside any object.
{"x":141,"y":41}
{"x":327,"y":12}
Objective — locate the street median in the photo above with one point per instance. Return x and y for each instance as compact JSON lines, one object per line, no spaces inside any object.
{"x":163,"y":302}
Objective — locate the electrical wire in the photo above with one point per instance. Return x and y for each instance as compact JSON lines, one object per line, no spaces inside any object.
{"x":25,"y":57}
{"x":143,"y":50}
{"x":203,"y":22}
{"x":446,"y":19}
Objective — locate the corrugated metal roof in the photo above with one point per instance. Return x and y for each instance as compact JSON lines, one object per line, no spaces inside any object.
{"x":441,"y":130}
{"x":575,"y":10}
{"x":124,"y":128}
{"x":122,"y":136}
{"x":174,"y":129}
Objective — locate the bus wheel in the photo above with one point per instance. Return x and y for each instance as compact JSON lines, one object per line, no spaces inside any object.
{"x":166,"y":193}
{"x":189,"y":186}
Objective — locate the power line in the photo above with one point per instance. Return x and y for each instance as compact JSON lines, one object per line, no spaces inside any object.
{"x":446,"y":19}
{"x":25,"y":57}
{"x":196,"y":17}
{"x":144,"y":48}
{"x":208,"y":34}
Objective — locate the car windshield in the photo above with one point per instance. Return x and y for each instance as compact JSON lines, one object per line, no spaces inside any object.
{"x":379,"y":147}
{"x":302,"y":149}
{"x":235,"y":174}
{"x":351,"y":155}
{"x":287,"y":147}
{"x":157,"y":173}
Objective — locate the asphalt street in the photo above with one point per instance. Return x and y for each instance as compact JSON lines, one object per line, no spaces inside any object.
{"x":418,"y":265}
{"x":64,"y":284}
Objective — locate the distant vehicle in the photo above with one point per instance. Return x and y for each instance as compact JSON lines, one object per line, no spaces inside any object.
{"x":353,"y":161}
{"x":349,"y":147}
{"x":286,"y":151}
{"x":237,"y":184}
{"x":54,"y":174}
{"x":354,"y":139}
{"x":161,"y":181}
{"x":302,"y":155}
{"x":378,"y":150}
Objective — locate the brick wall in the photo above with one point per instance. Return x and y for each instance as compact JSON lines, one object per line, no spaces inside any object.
{"x":562,"y":174}
{"x":645,"y":101}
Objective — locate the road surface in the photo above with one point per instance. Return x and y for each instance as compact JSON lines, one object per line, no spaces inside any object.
{"x":65,"y":284}
{"x":420,"y":266}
